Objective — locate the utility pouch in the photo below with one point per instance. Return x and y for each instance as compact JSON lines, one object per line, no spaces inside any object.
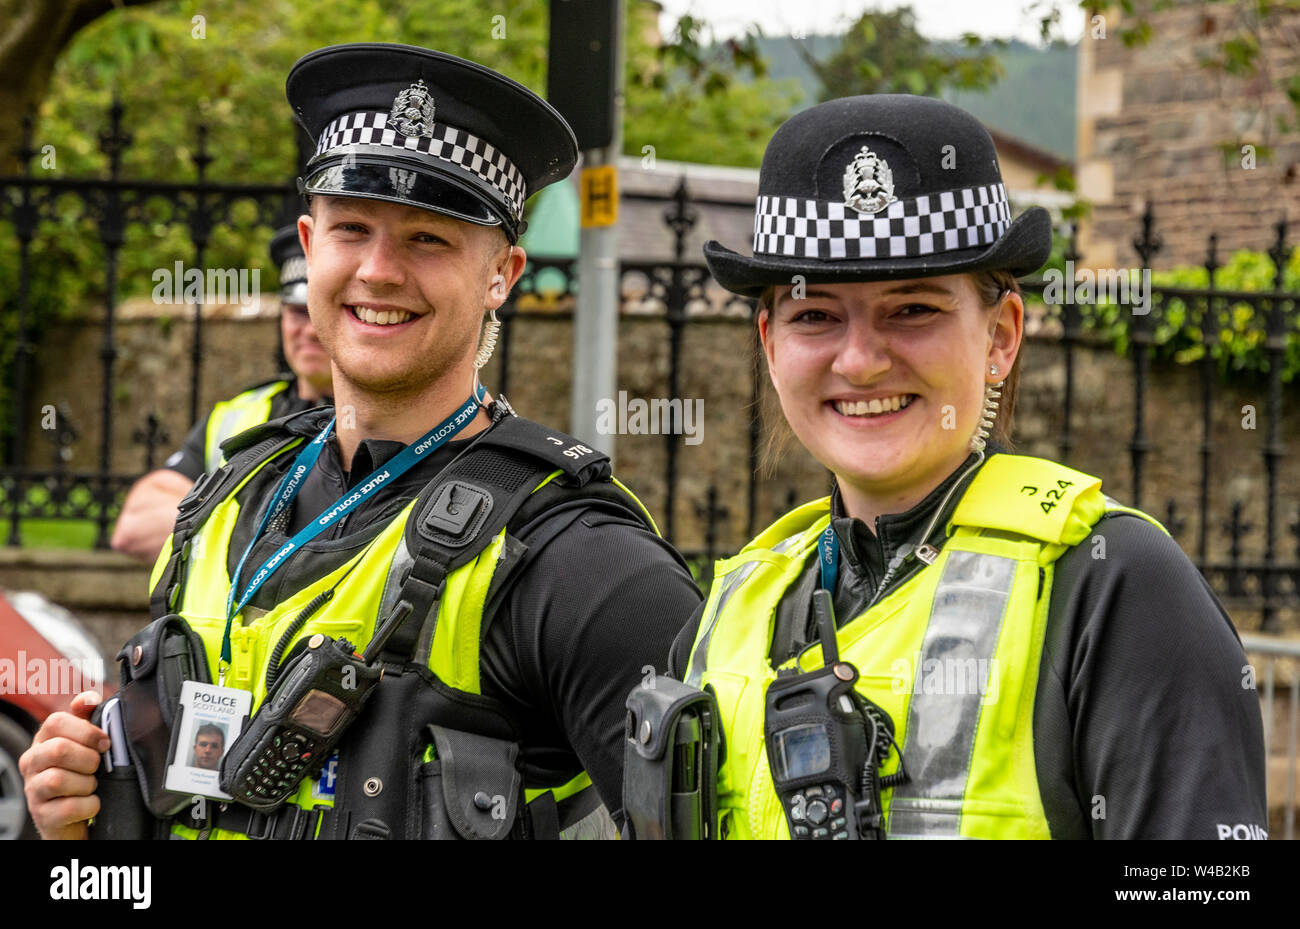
{"x":155,"y":662}
{"x":122,"y":813}
{"x":472,"y":789}
{"x":670,"y":762}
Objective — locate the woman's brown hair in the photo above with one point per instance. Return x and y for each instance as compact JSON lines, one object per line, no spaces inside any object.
{"x":990,"y":286}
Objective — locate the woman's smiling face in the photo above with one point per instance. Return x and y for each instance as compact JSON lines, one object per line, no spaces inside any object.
{"x":883,"y":382}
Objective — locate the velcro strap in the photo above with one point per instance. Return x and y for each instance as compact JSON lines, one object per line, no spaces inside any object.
{"x":398,"y":634}
{"x":543,"y":817}
{"x":289,"y":822}
{"x":577,"y":807}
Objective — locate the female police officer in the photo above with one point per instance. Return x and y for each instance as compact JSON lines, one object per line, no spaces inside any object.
{"x":1049,"y":662}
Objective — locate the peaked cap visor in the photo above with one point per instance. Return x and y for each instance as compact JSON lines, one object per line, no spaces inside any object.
{"x":467,"y":97}
{"x":417,"y":186}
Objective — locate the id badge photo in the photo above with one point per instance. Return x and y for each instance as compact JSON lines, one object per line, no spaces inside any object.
{"x":211,"y":720}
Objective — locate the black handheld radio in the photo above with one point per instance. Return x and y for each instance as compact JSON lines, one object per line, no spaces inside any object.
{"x":825,"y":745}
{"x":299,"y":723}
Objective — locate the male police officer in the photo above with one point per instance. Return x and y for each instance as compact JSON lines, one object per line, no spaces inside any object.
{"x":149,"y":511}
{"x":514,"y":598}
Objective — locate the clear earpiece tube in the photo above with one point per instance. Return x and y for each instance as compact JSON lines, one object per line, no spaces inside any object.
{"x":992,"y":394}
{"x":488,"y":343}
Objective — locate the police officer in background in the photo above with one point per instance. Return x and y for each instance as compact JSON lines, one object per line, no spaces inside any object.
{"x":149,"y":510}
{"x":511,"y":590}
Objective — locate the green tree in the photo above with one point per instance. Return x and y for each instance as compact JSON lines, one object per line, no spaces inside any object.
{"x":32,"y":34}
{"x":692,"y":98}
{"x":883,"y":53}
{"x":176,"y":64}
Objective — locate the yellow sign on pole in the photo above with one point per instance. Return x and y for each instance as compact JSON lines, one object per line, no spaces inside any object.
{"x":599,"y":189}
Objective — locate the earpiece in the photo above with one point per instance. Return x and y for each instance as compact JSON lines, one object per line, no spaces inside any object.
{"x":499,"y":281}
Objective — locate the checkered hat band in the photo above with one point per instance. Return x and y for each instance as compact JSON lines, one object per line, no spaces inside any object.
{"x":924,"y":225}
{"x":447,"y":143}
{"x":295,"y":269}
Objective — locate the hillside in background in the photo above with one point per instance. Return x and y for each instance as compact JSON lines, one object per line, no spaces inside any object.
{"x":1034,"y":101}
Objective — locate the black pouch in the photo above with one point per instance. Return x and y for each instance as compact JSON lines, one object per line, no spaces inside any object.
{"x":472,"y":790}
{"x":155,"y":663}
{"x":122,"y":813}
{"x":670,"y":762}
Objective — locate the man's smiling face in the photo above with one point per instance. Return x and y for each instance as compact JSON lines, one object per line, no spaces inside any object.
{"x":397,"y":294}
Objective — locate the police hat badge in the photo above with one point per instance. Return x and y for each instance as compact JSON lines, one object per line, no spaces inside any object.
{"x":413,"y":112}
{"x":868,"y":183}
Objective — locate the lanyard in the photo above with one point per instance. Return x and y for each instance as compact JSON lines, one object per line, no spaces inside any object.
{"x":829,"y":549}
{"x":292,"y":484}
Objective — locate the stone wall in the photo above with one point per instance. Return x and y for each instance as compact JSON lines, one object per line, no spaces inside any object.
{"x":718,"y":367}
{"x":1152,"y":124}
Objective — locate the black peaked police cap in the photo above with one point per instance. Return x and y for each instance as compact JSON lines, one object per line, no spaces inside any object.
{"x":430,"y":130}
{"x":856,"y":189}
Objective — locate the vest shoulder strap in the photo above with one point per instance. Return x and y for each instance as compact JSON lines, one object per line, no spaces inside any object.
{"x":490,"y":487}
{"x":1034,"y":497}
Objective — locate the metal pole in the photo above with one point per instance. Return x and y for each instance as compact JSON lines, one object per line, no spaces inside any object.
{"x":595,"y":318}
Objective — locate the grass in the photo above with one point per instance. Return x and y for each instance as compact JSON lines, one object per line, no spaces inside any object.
{"x":53,"y":533}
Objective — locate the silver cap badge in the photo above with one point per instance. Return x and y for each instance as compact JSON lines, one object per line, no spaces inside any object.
{"x":868,"y":183}
{"x":413,"y":110}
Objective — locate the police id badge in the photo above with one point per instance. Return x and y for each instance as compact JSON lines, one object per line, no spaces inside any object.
{"x":211,"y":720}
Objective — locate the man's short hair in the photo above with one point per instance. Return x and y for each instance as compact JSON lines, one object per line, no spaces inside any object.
{"x":210,"y":727}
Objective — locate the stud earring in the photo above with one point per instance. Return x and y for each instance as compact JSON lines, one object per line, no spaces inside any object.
{"x":993,"y":369}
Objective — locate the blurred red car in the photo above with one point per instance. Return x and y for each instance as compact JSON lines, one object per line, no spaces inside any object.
{"x":46,"y":657}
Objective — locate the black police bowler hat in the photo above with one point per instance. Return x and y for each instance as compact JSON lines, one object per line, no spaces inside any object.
{"x":414,"y":126}
{"x":286,"y":252}
{"x":881,"y":187}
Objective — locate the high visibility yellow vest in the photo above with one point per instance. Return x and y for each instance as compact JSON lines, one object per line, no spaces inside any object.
{"x":952,"y":654}
{"x":365,"y":590}
{"x":231,"y":417}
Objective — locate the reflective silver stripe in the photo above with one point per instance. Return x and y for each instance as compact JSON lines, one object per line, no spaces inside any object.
{"x":955,"y":666}
{"x":397,"y":568}
{"x":734,"y":580}
{"x":701,"y":657}
{"x":780,"y":548}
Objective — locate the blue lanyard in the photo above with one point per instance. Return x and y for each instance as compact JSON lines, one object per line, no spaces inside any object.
{"x":829,"y":549}
{"x":292,"y":484}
